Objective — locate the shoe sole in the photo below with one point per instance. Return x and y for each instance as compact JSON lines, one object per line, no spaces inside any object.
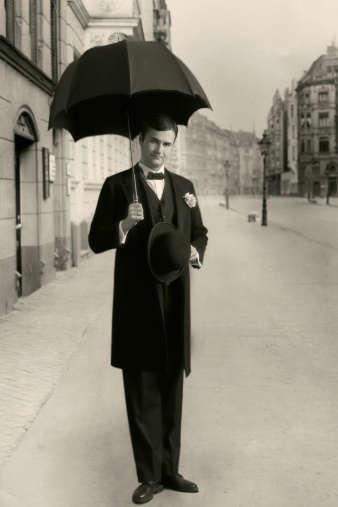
{"x":181,"y":490}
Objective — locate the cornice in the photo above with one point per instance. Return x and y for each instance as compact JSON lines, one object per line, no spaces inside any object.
{"x":115,"y":22}
{"x":80,"y":12}
{"x":11,"y":55}
{"x":315,"y":82}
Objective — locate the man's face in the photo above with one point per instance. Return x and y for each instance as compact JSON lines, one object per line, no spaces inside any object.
{"x":156,"y":147}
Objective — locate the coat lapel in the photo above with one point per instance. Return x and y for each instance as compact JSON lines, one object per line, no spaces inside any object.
{"x":180,"y":206}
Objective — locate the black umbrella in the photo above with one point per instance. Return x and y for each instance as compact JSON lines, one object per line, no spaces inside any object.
{"x":111,"y":89}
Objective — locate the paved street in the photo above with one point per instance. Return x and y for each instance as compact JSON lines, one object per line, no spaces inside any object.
{"x":260,"y":407}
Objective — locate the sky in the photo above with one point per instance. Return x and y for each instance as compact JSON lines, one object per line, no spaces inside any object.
{"x":242,"y":51}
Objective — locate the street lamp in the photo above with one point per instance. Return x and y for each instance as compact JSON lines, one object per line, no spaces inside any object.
{"x":227,"y":167}
{"x":264,"y":144}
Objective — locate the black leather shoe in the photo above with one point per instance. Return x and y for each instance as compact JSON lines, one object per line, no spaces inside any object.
{"x":145,"y":492}
{"x":178,"y":483}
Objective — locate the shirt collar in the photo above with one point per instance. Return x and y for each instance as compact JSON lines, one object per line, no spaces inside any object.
{"x":146,"y":169}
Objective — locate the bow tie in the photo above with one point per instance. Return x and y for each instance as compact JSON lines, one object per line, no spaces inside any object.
{"x":155,"y":176}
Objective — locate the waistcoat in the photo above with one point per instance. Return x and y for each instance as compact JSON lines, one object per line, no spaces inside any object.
{"x":162,"y":210}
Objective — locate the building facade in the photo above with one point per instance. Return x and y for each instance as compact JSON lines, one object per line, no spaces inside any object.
{"x":317,"y":126}
{"x":303,"y":131}
{"x":276,"y":157}
{"x":48,"y":184}
{"x":250,"y":162}
{"x":289,"y":179}
{"x":34,"y":211}
{"x":193,"y":152}
{"x":210,"y":156}
{"x":218,"y":160}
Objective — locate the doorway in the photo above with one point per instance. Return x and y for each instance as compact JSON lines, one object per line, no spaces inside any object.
{"x":25,"y":137}
{"x":18,"y":224}
{"x":316,"y":189}
{"x":21,"y":145}
{"x":332,"y":187}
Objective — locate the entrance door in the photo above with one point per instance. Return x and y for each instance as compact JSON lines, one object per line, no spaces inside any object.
{"x":25,"y":163}
{"x":316,"y":189}
{"x":21,"y":144}
{"x":18,"y":224}
{"x":333,"y":187}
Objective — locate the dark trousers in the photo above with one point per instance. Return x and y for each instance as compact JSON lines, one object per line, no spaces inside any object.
{"x":154,"y":408}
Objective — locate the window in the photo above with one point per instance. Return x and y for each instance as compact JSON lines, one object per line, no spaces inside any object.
{"x":307,"y":98}
{"x":293,"y":153}
{"x":324,"y":119}
{"x":302,"y":146}
{"x":308,"y":146}
{"x":292,"y":110}
{"x":329,"y":69}
{"x":308,"y":119}
{"x":84,"y":162}
{"x":324,"y":145}
{"x":302,"y":120}
{"x":293,"y":131}
{"x":323,"y":96}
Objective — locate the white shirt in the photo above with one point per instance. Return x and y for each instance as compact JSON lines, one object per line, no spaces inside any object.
{"x":156,"y":185}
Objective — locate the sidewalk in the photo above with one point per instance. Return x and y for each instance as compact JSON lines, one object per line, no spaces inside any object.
{"x":38,"y":338}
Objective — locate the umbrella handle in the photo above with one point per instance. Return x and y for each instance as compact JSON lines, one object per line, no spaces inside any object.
{"x":135,"y":196}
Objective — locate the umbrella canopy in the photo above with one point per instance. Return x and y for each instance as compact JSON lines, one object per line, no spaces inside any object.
{"x":107,"y":84}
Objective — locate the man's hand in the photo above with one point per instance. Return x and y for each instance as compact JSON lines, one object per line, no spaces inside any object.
{"x":193,"y":254}
{"x":135,"y":214}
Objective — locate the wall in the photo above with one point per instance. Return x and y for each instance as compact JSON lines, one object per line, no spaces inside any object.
{"x":20,"y":95}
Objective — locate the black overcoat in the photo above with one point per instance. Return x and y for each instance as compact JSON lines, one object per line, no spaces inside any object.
{"x":138,"y":330}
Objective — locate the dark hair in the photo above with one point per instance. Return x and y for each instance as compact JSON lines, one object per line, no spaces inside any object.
{"x":158,"y":122}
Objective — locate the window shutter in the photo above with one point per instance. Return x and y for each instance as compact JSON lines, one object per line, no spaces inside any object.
{"x":10,"y":21}
{"x":53,"y":40}
{"x":33,"y":14}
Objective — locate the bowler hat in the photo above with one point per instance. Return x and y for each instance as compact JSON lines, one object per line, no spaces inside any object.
{"x":168,"y":252}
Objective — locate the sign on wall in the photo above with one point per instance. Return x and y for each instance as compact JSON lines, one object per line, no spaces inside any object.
{"x":52,"y":167}
{"x":45,"y":173}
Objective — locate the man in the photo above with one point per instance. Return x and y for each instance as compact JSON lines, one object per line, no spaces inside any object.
{"x":151,"y":319}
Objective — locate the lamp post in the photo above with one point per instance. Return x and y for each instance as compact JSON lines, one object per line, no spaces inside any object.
{"x":227,"y":167}
{"x":264,"y":144}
